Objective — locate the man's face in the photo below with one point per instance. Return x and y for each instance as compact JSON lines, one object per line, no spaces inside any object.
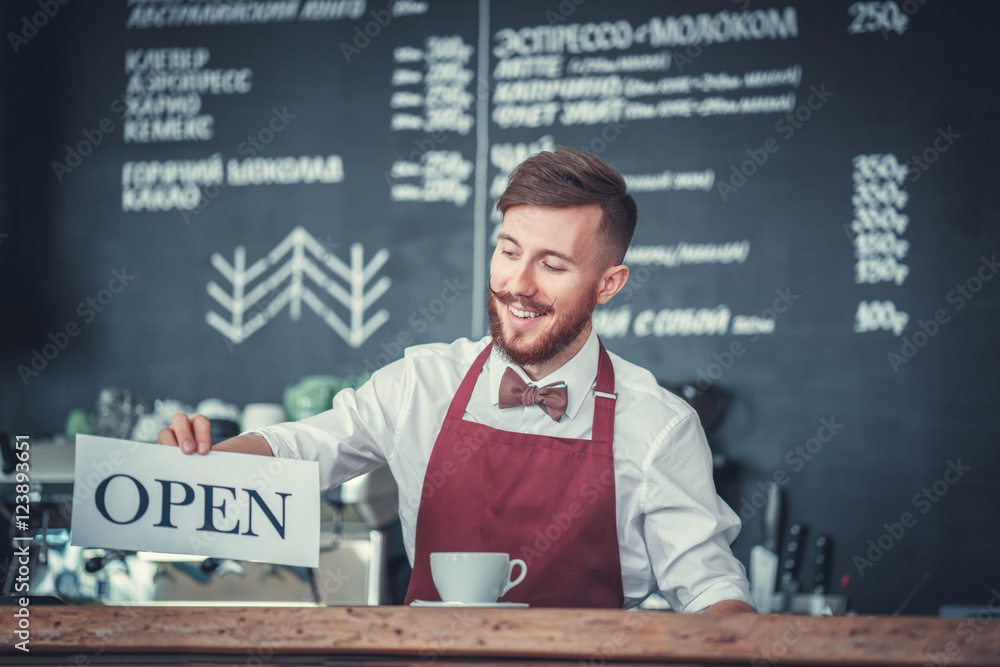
{"x":544,"y":281}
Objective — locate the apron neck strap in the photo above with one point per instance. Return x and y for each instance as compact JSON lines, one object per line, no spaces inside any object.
{"x":461,"y":400}
{"x":604,"y":399}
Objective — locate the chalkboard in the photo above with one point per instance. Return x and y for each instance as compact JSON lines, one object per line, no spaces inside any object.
{"x":215,"y":199}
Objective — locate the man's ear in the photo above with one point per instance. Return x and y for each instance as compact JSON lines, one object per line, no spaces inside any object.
{"x":612,"y":281}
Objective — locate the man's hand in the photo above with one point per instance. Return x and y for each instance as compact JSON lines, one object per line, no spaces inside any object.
{"x":730,"y":607}
{"x":192,"y":434}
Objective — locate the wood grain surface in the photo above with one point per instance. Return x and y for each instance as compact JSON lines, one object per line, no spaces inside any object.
{"x":261,"y":635}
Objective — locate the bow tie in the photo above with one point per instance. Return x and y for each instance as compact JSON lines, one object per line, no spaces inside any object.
{"x":514,"y":392}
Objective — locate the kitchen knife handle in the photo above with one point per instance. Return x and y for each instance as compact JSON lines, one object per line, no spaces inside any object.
{"x":822,"y":564}
{"x":772,"y":517}
{"x":793,"y":552}
{"x":788,"y":584}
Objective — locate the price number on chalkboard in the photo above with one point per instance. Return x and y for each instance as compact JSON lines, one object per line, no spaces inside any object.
{"x":871,"y":270}
{"x":869,"y":218}
{"x":446,"y":48}
{"x":879,"y":167}
{"x":880,"y":244}
{"x":879,"y":194}
{"x":876,"y":17}
{"x":879,"y":316}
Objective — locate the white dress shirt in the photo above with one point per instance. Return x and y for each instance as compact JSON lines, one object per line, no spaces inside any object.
{"x":673,"y":529}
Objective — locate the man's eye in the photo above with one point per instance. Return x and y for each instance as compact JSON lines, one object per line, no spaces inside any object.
{"x":553,"y":269}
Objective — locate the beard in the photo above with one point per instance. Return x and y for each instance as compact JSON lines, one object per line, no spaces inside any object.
{"x":550,"y":343}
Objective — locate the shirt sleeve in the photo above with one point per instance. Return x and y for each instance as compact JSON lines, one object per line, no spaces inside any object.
{"x":354,"y":437}
{"x":688,"y":527}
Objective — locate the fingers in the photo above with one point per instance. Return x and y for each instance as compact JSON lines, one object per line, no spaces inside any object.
{"x":166,"y":437}
{"x":202,"y":433}
{"x":181,"y":426}
{"x":192,"y":435}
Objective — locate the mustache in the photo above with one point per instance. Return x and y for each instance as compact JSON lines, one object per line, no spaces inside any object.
{"x":506,"y":298}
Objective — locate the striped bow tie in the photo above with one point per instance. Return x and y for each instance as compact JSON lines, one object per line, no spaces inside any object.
{"x":514,"y":392}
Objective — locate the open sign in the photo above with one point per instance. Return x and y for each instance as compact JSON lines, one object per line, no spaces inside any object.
{"x":154,"y":498}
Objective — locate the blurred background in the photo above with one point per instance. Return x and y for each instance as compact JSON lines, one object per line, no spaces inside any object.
{"x":255,"y":203}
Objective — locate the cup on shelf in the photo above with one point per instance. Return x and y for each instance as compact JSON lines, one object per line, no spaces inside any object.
{"x":262,"y":415}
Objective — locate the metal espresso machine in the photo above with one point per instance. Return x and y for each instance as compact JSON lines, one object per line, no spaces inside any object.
{"x":361,"y":553}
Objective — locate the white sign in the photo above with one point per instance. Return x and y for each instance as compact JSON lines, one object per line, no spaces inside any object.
{"x":142,"y":497}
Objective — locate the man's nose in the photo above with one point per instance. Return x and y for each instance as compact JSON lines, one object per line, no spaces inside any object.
{"x":522,"y":281}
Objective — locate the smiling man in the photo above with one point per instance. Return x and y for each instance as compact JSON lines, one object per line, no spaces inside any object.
{"x":548,"y":277}
{"x":536,"y":441}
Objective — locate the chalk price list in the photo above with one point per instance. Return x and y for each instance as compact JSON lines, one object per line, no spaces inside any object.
{"x":440,"y":108}
{"x":875,"y":232}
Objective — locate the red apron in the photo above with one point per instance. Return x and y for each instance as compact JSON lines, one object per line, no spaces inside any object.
{"x":549,"y":501}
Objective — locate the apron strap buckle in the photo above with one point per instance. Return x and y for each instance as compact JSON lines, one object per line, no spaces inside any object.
{"x":604,"y":394}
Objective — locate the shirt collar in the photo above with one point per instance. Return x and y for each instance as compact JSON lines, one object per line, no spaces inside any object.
{"x":579,"y":374}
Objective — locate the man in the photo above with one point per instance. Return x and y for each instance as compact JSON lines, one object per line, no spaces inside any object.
{"x":535,"y":441}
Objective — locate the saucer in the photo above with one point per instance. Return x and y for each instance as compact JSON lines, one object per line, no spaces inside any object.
{"x":495,"y":605}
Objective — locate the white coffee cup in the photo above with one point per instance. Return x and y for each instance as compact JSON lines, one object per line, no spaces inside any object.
{"x":474,"y":577}
{"x":261,"y":415}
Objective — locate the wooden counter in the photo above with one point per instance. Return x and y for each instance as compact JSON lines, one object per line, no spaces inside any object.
{"x":401,"y":635}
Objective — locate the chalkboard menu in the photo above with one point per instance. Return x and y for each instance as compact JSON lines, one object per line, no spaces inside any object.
{"x":207,"y":198}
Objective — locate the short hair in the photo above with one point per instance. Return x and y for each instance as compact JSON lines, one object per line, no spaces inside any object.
{"x":570,"y":177}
